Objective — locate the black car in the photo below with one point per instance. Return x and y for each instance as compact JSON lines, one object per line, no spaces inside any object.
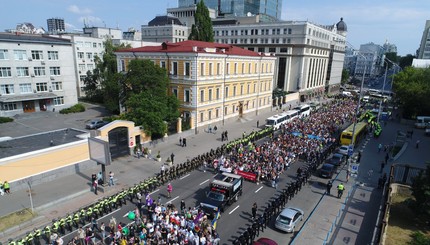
{"x":327,"y":170}
{"x":337,"y":159}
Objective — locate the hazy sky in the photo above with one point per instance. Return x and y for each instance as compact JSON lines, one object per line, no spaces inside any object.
{"x":399,"y":21}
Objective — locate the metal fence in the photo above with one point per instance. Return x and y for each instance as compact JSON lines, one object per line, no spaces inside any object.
{"x":404,"y":174}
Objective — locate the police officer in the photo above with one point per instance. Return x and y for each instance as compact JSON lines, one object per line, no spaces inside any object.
{"x":76,"y":219}
{"x":47,"y":233}
{"x":37,"y":233}
{"x":254,"y":211}
{"x":251,"y":233}
{"x":256,"y":228}
{"x":340,"y":189}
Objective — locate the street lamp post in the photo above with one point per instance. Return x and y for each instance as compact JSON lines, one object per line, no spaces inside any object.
{"x":383,"y":92}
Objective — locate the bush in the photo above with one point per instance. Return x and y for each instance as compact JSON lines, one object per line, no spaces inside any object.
{"x":5,"y":119}
{"x":418,"y":238}
{"x":74,"y":109}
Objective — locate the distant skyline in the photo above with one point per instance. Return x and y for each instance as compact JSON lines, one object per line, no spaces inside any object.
{"x":400,"y":22}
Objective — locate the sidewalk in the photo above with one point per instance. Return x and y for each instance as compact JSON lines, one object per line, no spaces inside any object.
{"x":67,"y":194}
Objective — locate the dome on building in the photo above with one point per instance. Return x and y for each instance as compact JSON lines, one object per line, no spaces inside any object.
{"x":341,"y":25}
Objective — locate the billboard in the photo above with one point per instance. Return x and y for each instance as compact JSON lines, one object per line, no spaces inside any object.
{"x":99,"y":151}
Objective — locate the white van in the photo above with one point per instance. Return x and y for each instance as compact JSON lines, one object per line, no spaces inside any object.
{"x":347,"y":93}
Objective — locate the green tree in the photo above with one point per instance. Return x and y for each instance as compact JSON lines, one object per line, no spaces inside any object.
{"x":406,"y":61}
{"x":101,"y":85}
{"x":421,"y":191}
{"x":345,"y":76}
{"x":202,"y":29}
{"x":412,"y":88}
{"x":144,"y":93}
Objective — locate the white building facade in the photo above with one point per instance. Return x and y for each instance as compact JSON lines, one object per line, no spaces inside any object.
{"x":310,"y":56}
{"x":424,"y":51}
{"x":37,"y":73}
{"x":370,"y":60}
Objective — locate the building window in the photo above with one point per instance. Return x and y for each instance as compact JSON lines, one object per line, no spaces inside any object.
{"x":7,"y":89}
{"x":41,"y":87}
{"x":174,"y":68}
{"x":5,"y":72}
{"x":228,"y":69}
{"x":217,"y":94}
{"x":290,"y":31}
{"x":52,"y":55}
{"x":122,"y":65}
{"x":272,"y":50}
{"x":37,"y":54}
{"x":163,"y":64}
{"x":22,"y":72}
{"x":255,"y":87}
{"x":217,"y":113}
{"x":82,"y":68}
{"x":218,"y":68}
{"x":54,"y":71}
{"x":210,"y":94}
{"x":210,"y":69}
{"x":39,"y":71}
{"x":175,"y":92}
{"x":187,"y":69}
{"x":202,"y":69}
{"x":225,"y":110}
{"x":20,"y":54}
{"x":202,"y":95}
{"x":241,"y":89}
{"x":90,"y":56}
{"x":59,"y":100}
{"x":25,"y":88}
{"x":80,"y":55}
{"x":187,"y":96}
{"x":234,"y":91}
{"x":4,"y":54}
{"x":57,"y":86}
{"x":261,"y":50}
{"x":235,"y":68}
{"x":201,"y":116}
{"x":90,"y":67}
{"x":9,"y":106}
{"x":226,"y":92}
{"x":209,"y":115}
{"x":82,"y":78}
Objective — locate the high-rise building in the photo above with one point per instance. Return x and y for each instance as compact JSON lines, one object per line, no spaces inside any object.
{"x":270,"y":10}
{"x":424,"y":51}
{"x":56,"y":26}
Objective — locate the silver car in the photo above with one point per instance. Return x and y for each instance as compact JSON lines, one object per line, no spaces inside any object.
{"x":288,"y":219}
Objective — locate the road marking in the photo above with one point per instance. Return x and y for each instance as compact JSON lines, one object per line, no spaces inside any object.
{"x":185,"y":176}
{"x":234,"y":209}
{"x":172,"y":200}
{"x":204,"y":182}
{"x":154,"y":191}
{"x":259,"y":189}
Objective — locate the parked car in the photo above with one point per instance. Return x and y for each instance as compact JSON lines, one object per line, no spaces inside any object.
{"x":428,"y":130}
{"x":95,"y":124}
{"x":264,"y":241}
{"x":343,"y":150}
{"x":288,"y":219}
{"x":327,"y":170}
{"x":337,"y":159}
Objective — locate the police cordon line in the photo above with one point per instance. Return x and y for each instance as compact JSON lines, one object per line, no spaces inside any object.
{"x":74,"y":220}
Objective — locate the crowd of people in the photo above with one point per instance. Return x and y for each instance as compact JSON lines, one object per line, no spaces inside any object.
{"x":301,"y":138}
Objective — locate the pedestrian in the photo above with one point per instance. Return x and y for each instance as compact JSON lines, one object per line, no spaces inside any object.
{"x":222,"y":136}
{"x":258,"y":123}
{"x":94,"y":224}
{"x":382,"y":166}
{"x":95,"y":185}
{"x":379,"y":147}
{"x":329,"y":186}
{"x":347,"y":175}
{"x":184,"y":142}
{"x":111,"y":175}
{"x":169,"y":190}
{"x":386,"y":158}
{"x":417,"y":144}
{"x":380,"y":184}
{"x":1,"y":188}
{"x":215,"y":129}
{"x":359,"y":157}
{"x":210,"y":128}
{"x":172,"y":157}
{"x":226,"y":135}
{"x":6,"y":187}
{"x":254,"y":211}
{"x":103,"y":232}
{"x":180,"y":141}
{"x":183,"y":206}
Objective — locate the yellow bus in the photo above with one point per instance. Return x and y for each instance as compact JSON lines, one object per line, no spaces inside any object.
{"x":346,"y":138}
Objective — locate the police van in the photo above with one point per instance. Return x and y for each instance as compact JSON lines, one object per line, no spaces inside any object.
{"x":224,"y":190}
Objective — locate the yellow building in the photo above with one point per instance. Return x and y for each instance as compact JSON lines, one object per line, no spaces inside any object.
{"x":212,"y":81}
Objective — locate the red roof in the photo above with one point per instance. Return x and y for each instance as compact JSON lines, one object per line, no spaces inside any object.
{"x":191,"y":46}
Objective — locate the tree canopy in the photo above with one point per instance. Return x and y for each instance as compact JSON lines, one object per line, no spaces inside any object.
{"x":421,"y":191}
{"x":412,"y":88}
{"x":101,"y":84}
{"x":202,"y":29}
{"x":345,"y":76}
{"x":144,"y":94}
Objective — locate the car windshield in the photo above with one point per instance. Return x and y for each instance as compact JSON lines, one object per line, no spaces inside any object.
{"x":284,"y":220}
{"x":327,"y":167}
{"x":215,"y":196}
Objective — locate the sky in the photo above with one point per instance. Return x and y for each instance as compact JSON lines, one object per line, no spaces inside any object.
{"x":401,"y":22}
